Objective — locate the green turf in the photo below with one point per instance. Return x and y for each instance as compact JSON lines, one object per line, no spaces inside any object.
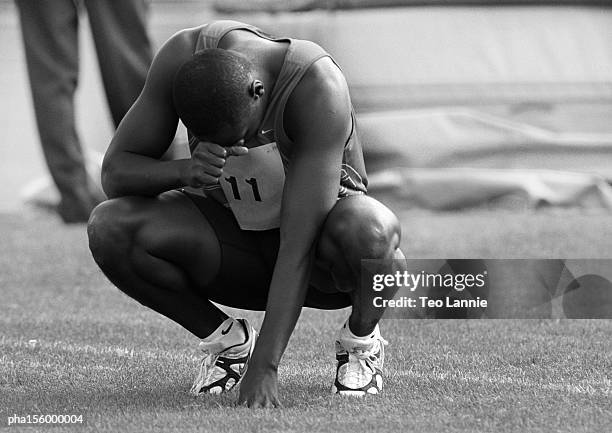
{"x":127,"y":369}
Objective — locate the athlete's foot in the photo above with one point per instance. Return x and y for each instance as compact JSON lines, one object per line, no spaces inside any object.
{"x":222,"y":368}
{"x":359,"y":370}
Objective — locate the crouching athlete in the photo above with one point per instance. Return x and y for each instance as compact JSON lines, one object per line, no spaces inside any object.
{"x":270,"y":212}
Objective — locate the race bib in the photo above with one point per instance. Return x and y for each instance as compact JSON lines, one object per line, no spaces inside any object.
{"x":253,"y":186}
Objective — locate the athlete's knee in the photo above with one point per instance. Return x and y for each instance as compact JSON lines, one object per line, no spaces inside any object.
{"x":108,"y":229}
{"x":365,"y":230}
{"x":373,"y":236}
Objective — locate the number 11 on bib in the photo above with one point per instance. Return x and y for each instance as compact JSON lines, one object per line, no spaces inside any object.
{"x":253,"y":186}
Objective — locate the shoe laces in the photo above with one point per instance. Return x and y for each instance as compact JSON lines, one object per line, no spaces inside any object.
{"x":361,"y":362}
{"x":363,"y":353}
{"x":206,"y":366}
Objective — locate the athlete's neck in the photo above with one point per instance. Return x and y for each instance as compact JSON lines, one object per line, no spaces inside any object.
{"x":267,"y":56}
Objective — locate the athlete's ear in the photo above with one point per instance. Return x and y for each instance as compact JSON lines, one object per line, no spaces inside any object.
{"x":257,"y":89}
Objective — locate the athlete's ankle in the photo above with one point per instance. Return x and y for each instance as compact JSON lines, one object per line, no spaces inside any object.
{"x":360,"y":328}
{"x":230,"y":333}
{"x":349,"y":340}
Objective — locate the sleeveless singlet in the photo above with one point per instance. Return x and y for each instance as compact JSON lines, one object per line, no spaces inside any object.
{"x":275,"y":147}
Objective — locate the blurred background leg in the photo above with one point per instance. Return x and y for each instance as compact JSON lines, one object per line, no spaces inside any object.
{"x":124,"y":50}
{"x":50,"y":35}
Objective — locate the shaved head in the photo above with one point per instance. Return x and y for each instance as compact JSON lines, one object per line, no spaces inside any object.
{"x":211,"y":92}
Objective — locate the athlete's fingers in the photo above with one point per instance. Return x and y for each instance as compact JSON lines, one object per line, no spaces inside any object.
{"x":269,"y":404}
{"x":204,"y":147}
{"x":209,"y":153}
{"x":213,"y":171}
{"x":237,"y":150}
{"x":258,"y":402}
{"x":208,"y":159}
{"x":214,"y":148}
{"x":211,"y":159}
{"x":205,"y":179}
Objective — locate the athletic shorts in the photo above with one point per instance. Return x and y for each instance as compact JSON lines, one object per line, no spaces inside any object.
{"x":247,"y":263}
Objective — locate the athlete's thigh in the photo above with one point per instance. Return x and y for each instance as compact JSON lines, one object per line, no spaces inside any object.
{"x":171,"y":228}
{"x":197,"y":235}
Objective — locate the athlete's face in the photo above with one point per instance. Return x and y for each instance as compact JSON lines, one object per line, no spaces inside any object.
{"x":228,"y":136}
{"x":231,"y":134}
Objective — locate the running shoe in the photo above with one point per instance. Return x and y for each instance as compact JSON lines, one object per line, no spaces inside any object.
{"x":359,"y":369}
{"x":221,"y":369}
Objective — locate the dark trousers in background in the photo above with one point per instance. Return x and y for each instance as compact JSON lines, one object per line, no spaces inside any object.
{"x":50,"y":34}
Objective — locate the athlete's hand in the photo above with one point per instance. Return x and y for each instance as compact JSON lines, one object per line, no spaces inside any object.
{"x":259,"y":388}
{"x":207,"y":161}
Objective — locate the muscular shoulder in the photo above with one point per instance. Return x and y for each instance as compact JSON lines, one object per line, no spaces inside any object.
{"x":173,"y":53}
{"x":183,"y":41}
{"x":319,"y":104}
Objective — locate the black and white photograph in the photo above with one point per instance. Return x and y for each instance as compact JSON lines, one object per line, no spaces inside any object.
{"x":306,"y":216}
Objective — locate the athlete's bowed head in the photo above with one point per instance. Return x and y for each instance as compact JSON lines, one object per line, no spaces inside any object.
{"x":218,"y":96}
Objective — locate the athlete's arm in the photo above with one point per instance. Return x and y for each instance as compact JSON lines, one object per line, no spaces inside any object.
{"x":132,"y":163}
{"x":318,"y":119}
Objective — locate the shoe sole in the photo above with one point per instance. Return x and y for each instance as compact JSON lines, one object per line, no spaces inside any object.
{"x":355,"y":392}
{"x":374,"y":387}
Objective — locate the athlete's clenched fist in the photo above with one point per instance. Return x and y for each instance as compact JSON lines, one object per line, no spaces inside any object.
{"x":207,"y":162}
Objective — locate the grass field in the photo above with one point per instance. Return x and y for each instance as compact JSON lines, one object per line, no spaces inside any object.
{"x":126,"y":369}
